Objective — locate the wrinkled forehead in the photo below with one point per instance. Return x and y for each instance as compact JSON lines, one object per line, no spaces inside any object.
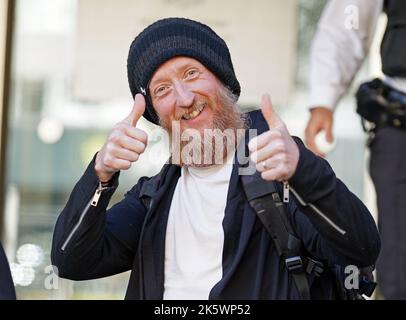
{"x":175,"y":66}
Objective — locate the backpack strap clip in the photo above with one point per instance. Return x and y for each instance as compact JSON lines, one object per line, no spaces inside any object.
{"x":314,"y":267}
{"x":294,"y":264}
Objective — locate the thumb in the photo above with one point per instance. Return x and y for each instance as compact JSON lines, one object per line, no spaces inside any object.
{"x":329,"y":134}
{"x":137,"y":110}
{"x":270,"y":115}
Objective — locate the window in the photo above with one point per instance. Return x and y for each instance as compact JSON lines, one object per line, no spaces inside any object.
{"x":60,"y":112}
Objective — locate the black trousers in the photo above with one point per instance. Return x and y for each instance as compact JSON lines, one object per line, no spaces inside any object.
{"x":388,"y":172}
{"x":6,"y":283}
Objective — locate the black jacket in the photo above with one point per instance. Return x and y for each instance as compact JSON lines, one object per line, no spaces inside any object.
{"x":6,"y":283}
{"x":90,"y":242}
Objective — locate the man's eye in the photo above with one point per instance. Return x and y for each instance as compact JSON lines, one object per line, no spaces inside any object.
{"x":160,"y":90}
{"x":192,"y":73}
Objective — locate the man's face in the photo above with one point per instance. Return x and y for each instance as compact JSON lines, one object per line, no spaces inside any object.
{"x":184,"y":90}
{"x":186,"y":93}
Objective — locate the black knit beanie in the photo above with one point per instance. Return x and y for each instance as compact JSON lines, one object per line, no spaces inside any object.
{"x":171,"y":37}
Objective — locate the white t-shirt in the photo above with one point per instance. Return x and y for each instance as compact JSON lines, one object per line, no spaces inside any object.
{"x":194,"y":234}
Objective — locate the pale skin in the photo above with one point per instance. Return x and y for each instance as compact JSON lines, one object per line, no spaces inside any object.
{"x":180,"y":83}
{"x":274,"y":152}
{"x":124,"y":144}
{"x":321,"y":119}
{"x":176,"y":85}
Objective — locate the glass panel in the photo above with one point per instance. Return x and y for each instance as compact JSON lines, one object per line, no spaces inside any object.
{"x":47,"y":149}
{"x":60,"y":115}
{"x":309,"y":14}
{"x":59,"y":118}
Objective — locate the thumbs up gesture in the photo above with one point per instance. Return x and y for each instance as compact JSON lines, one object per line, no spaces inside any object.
{"x":124,"y":145}
{"x":274,"y":152}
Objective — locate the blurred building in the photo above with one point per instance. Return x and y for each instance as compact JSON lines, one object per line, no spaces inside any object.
{"x":67,"y":87}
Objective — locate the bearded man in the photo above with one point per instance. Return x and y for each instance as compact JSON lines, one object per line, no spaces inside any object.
{"x":190,"y":232}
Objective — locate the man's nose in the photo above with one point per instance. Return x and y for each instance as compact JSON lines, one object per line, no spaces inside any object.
{"x":184,"y":96}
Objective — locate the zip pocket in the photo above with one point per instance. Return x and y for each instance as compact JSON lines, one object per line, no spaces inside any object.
{"x":319,"y":212}
{"x":92,"y":203}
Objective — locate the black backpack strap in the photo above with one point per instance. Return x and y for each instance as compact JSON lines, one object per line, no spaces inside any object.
{"x":147,"y":191}
{"x":264,"y":199}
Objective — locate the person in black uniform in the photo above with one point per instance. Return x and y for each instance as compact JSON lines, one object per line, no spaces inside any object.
{"x":338,"y":50}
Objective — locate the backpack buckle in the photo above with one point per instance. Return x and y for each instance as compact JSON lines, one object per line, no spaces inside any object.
{"x":314,"y":267}
{"x":294,"y":264}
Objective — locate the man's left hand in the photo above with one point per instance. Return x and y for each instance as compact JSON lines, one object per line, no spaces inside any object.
{"x":274,"y":152}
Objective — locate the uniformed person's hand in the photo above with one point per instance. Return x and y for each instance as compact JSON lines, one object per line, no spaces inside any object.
{"x":321,"y":119}
{"x":124,"y":145}
{"x":274,"y":152}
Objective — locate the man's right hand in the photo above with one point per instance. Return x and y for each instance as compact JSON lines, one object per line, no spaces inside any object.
{"x":321,"y":119}
{"x":124,"y":145}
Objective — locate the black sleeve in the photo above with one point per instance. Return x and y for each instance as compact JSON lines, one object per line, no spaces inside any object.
{"x":346,"y":231}
{"x":92,"y":242}
{"x":7,"y":291}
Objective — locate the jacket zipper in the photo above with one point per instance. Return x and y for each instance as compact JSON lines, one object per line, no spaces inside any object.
{"x":286,"y":189}
{"x":286,"y":192}
{"x":92,"y":203}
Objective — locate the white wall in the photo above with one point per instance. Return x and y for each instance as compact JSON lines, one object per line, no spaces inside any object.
{"x":261,"y":35}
